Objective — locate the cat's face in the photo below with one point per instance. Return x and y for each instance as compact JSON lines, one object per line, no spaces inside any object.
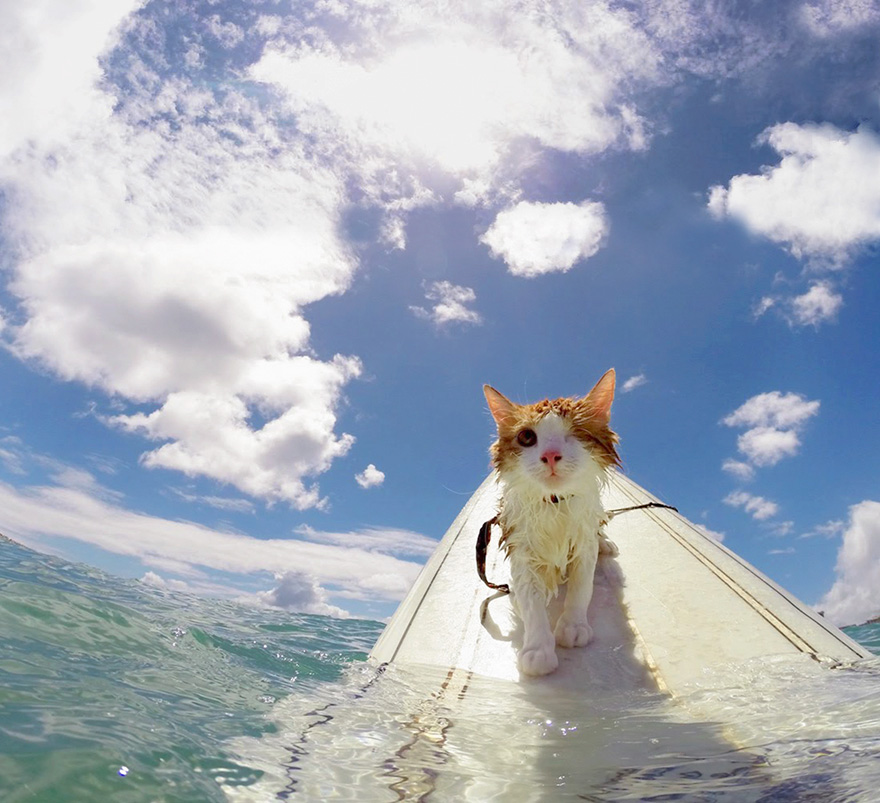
{"x":552,"y":445}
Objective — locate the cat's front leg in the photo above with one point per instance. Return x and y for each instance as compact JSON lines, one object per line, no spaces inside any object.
{"x":572,"y":628}
{"x":538,"y":653}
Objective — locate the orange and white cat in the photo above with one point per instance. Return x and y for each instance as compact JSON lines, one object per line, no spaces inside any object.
{"x":551,"y":460}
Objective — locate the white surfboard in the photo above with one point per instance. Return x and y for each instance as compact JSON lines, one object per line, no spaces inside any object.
{"x":673,"y":604}
{"x":704,"y":680}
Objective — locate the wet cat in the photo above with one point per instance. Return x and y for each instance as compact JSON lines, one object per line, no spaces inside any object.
{"x":551,"y":460}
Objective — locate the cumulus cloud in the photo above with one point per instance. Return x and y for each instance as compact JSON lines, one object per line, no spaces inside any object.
{"x":169,"y":266}
{"x":855,"y":595}
{"x":538,"y":238}
{"x":370,"y":477}
{"x":816,"y":201}
{"x":460,"y":86}
{"x":450,"y":305}
{"x":819,"y":304}
{"x":300,"y":592}
{"x":759,"y":507}
{"x":49,"y":51}
{"x":773,"y":421}
{"x":634,"y":382}
{"x":739,"y":469}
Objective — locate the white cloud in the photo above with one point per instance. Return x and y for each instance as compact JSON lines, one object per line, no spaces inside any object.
{"x":49,"y":50}
{"x":459,"y":86}
{"x":855,"y":595}
{"x":827,"y":18}
{"x":816,"y":201}
{"x":450,"y":305}
{"x":713,"y":534}
{"x":634,"y":382}
{"x":759,"y":507}
{"x":370,"y":477}
{"x":773,"y":409}
{"x":773,"y":420}
{"x":740,"y":470}
{"x":170,"y":267}
{"x":766,"y":446}
{"x":538,"y":238}
{"x":830,"y":529}
{"x":361,"y":565}
{"x":819,"y":304}
{"x":300,"y":592}
{"x":386,"y":541}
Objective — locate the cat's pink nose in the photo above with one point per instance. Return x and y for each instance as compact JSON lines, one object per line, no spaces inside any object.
{"x":551,"y":457}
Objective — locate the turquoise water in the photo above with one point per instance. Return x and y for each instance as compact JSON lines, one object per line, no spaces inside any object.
{"x":113,"y":690}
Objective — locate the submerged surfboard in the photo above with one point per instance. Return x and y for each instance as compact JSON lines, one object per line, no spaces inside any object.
{"x":671,"y":606}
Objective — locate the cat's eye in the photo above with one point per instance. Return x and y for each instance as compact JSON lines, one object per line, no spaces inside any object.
{"x":527,"y":438}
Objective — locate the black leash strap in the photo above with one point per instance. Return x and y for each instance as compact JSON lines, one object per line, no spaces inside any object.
{"x":483,"y":539}
{"x":485,"y":535}
{"x":610,"y":514}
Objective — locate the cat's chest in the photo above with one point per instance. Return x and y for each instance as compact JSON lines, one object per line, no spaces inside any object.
{"x":549,"y":530}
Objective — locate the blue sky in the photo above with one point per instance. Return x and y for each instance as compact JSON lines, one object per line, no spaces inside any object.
{"x":257,"y":260}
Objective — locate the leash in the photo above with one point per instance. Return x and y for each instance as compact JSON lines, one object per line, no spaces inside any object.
{"x":485,"y":536}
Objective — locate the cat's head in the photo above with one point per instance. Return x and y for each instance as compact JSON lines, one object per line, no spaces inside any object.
{"x":553,"y":444}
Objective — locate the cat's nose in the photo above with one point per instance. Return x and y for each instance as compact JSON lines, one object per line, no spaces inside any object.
{"x":551,"y":457}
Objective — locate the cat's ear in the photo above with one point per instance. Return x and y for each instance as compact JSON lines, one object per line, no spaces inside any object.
{"x":502,"y":408}
{"x":600,"y":397}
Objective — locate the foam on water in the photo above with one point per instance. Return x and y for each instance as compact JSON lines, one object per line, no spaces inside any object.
{"x":112,"y":690}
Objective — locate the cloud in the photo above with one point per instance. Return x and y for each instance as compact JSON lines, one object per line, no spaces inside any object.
{"x":538,"y":238}
{"x":713,"y":534}
{"x":830,"y":529}
{"x":816,"y":201}
{"x":458,"y":88}
{"x":818,"y":305}
{"x":450,"y":305}
{"x":773,"y":420}
{"x":773,"y":409}
{"x":855,"y":595}
{"x":363,"y":565}
{"x":300,"y":592}
{"x":168,"y":265}
{"x":740,"y":470}
{"x":50,"y":53}
{"x":370,"y":477}
{"x":759,"y":507}
{"x":384,"y":541}
{"x":634,"y":382}
{"x":828,"y":18}
{"x":766,"y":446}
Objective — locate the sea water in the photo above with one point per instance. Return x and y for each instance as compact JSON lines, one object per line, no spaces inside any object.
{"x":112,"y":690}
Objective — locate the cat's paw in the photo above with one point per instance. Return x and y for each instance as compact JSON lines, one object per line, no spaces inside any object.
{"x":572,"y":633}
{"x":538,"y":660}
{"x":607,"y":547}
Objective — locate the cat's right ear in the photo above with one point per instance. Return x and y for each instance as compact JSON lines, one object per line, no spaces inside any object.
{"x":502,"y":408}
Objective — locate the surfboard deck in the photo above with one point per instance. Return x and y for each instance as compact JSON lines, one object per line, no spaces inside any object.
{"x":671,"y":606}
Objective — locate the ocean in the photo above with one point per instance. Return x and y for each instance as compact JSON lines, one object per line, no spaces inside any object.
{"x":113,"y":690}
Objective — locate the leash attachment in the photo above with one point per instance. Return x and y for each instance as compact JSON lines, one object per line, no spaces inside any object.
{"x":483,"y":538}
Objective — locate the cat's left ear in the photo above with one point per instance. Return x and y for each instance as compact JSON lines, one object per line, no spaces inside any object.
{"x":600,"y":397}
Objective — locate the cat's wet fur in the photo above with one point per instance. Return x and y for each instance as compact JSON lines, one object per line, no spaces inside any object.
{"x":552,"y":460}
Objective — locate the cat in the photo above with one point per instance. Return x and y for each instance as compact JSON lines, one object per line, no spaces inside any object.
{"x":552,"y":460}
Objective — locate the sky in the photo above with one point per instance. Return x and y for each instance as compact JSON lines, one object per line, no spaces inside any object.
{"x":257,"y":260}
